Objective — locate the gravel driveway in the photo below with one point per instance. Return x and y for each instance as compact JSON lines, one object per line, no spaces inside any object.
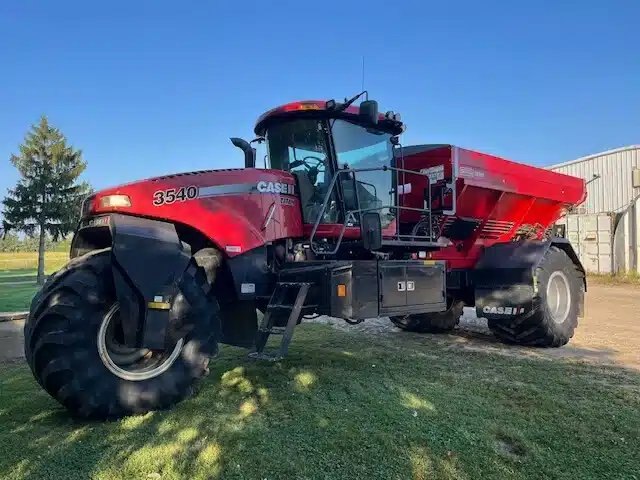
{"x":609,"y":333}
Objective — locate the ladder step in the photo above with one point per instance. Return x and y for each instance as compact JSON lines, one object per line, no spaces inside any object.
{"x":266,"y":327}
{"x":291,"y":284}
{"x":282,"y":306}
{"x":269,"y":357}
{"x":279,"y":306}
{"x":273,"y":330}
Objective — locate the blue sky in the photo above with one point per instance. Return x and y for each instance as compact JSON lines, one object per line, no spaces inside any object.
{"x":151,"y":87}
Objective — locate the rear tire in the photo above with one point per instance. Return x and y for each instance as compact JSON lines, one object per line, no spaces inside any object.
{"x":438,"y":322}
{"x":66,"y":349}
{"x":556,"y":306}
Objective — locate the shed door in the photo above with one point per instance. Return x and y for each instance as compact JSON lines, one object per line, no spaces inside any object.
{"x":592,"y":237}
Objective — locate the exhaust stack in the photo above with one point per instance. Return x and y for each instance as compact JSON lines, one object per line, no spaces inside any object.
{"x":249,"y":151}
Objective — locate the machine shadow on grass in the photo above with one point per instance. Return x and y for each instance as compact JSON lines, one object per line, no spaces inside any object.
{"x":345,"y":406}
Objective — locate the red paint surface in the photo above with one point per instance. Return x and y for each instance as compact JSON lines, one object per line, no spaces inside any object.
{"x":234,"y":220}
{"x":497,"y":191}
{"x":318,"y":107}
{"x":494,"y":190}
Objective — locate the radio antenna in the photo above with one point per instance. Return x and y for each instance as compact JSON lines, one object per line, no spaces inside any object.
{"x":362,"y":73}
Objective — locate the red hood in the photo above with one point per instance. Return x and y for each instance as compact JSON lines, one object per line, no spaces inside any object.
{"x":230,"y":206}
{"x":167,"y":178}
{"x":141,"y":192}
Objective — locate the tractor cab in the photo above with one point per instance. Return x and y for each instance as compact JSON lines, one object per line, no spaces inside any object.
{"x":344,"y":161}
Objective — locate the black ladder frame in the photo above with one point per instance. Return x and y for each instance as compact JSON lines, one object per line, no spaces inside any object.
{"x":266,"y":328}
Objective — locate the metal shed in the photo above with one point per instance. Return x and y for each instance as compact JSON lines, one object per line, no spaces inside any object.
{"x":610,"y":187}
{"x":606,"y":228}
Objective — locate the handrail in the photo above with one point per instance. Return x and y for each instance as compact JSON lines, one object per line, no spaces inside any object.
{"x":351,"y":213}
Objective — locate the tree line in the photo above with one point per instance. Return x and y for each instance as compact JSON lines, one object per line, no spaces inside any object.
{"x":45,"y":203}
{"x":12,"y":243}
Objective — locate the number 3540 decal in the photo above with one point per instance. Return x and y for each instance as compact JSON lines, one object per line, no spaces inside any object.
{"x":172,"y":195}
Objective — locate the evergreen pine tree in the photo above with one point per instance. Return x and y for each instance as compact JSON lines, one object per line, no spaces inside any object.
{"x":48,"y":197}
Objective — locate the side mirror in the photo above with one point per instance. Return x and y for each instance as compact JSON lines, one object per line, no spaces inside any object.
{"x":249,"y":151}
{"x":369,"y":111}
{"x":371,"y":230}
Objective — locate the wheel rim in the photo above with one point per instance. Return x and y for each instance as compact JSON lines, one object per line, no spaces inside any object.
{"x":558,"y":296}
{"x":134,"y":364}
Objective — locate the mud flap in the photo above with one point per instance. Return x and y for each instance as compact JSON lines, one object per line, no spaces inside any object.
{"x":149,"y":261}
{"x":504,"y":277}
{"x":239,"y":323}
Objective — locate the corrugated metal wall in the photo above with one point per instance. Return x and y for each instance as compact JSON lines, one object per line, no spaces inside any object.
{"x":613,"y":191}
{"x":611,"y":202}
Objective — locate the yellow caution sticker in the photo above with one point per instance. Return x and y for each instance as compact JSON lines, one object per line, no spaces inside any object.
{"x":159,"y":305}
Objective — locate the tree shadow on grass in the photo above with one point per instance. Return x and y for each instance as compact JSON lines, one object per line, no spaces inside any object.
{"x":343,"y":406}
{"x":43,"y":441}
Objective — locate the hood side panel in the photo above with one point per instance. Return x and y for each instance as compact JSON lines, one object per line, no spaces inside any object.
{"x":238,"y":210}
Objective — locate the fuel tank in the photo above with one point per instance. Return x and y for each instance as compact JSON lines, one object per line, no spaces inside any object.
{"x":237,"y":209}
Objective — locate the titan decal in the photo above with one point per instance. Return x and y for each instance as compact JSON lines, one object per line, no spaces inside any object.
{"x":470,"y":172}
{"x":434,"y":173}
{"x":96,"y":222}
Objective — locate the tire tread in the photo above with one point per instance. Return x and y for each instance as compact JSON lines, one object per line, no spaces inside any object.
{"x":536,"y":328}
{"x":61,"y":342}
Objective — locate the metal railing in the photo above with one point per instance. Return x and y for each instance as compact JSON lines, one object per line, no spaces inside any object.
{"x":351,"y":215}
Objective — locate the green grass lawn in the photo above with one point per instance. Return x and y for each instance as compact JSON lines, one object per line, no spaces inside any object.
{"x":17,"y":287}
{"x":630,"y":278}
{"x":29,"y":261}
{"x":18,"y":275}
{"x":346,"y":406}
{"x":16,"y":298}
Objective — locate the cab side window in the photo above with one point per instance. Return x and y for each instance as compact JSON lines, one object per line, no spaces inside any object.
{"x":300,"y":147}
{"x":358,"y":148}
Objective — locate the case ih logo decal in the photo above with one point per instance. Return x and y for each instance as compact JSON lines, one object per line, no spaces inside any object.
{"x":276,"y":187}
{"x":503,"y":310}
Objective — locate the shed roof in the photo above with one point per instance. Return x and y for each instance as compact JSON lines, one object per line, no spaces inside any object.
{"x":594,"y":155}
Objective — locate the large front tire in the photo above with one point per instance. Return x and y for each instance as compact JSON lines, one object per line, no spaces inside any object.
{"x":556,"y":306}
{"x":71,"y":343}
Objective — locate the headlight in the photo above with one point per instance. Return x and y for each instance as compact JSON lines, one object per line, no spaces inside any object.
{"x":109,"y":201}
